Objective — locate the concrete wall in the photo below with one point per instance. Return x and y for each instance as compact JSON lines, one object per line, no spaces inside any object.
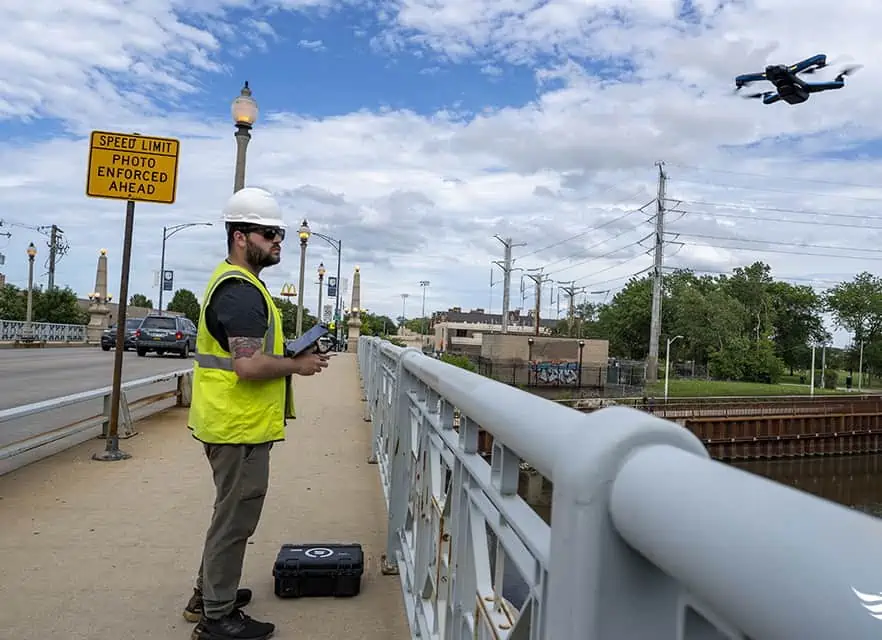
{"x":506,"y":348}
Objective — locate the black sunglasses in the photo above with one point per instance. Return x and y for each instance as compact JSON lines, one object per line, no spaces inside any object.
{"x":267,"y":233}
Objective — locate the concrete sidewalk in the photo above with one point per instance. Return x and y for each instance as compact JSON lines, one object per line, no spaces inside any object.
{"x":109,"y":550}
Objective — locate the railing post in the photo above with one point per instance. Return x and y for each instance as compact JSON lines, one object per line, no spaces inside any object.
{"x":374,"y":366}
{"x":400,"y":463}
{"x":596,"y":581}
{"x":185,"y":389}
{"x":368,"y":380}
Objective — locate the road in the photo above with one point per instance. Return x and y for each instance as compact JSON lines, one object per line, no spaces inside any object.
{"x":32,"y":375}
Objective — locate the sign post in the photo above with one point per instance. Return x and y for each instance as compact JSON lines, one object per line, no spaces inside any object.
{"x":133,"y":168}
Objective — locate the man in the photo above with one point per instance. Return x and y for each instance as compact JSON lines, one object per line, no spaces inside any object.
{"x":241,"y":399}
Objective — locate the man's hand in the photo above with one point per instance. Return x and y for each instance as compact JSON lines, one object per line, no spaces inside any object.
{"x":309,"y":363}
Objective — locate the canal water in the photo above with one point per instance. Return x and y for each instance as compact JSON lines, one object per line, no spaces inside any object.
{"x":853,"y":481}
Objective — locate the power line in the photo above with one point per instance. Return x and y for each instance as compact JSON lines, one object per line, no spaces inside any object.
{"x":813,"y":223}
{"x":775,"y":177}
{"x":795,"y":253}
{"x":586,"y":232}
{"x":750,"y":207}
{"x":605,"y":255}
{"x":772,"y":190}
{"x":776,"y":242}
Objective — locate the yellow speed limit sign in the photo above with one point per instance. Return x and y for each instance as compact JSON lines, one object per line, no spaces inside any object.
{"x":125,"y":166}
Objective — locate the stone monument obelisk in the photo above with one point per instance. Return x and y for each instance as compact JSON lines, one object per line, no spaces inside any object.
{"x":355,"y":313}
{"x":98,"y":299}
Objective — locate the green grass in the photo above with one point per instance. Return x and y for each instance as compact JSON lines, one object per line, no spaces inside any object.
{"x":797,"y":373}
{"x":703,"y":388}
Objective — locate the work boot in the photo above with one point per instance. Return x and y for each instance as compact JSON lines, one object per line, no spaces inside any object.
{"x":233,"y":626}
{"x":193,"y":610}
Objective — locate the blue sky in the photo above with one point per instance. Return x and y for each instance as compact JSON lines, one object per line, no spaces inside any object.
{"x":415,"y":130}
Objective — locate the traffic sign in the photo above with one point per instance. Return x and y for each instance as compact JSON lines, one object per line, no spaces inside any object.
{"x":124,"y":166}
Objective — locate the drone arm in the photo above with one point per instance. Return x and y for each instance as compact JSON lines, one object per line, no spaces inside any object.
{"x":817,"y":87}
{"x":749,"y":77}
{"x":771,"y":98}
{"x":815,"y":61}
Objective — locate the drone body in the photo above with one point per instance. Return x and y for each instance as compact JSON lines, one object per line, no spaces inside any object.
{"x":789,"y":86}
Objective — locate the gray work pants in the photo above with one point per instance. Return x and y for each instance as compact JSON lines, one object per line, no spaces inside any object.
{"x":241,"y":478}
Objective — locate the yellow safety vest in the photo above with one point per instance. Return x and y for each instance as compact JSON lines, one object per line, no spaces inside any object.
{"x":225,"y":409}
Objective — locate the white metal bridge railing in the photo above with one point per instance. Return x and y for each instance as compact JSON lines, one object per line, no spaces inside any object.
{"x":11,"y":330}
{"x":34,"y":431}
{"x":649,"y":538}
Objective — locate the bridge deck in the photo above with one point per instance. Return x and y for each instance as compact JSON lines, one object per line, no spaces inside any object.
{"x":109,"y":550}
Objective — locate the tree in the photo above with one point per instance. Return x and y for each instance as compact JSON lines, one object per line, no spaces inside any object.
{"x":13,"y":303}
{"x":857,"y":306}
{"x":185,"y":302}
{"x":53,"y":305}
{"x":374,"y":325}
{"x":288,"y":310}
{"x":58,"y":305}
{"x":797,"y":311}
{"x":625,"y":321}
{"x":419,"y":325}
{"x":140,"y":300}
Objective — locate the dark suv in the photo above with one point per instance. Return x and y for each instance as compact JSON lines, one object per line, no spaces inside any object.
{"x":108,"y":338}
{"x":162,"y":333}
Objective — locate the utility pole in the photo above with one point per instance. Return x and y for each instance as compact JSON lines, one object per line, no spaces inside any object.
{"x":655,"y":325}
{"x":506,"y":266}
{"x":53,"y":253}
{"x":571,"y":290}
{"x":538,"y":279}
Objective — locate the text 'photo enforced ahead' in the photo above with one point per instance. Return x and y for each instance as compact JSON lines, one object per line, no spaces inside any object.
{"x":132,"y":167}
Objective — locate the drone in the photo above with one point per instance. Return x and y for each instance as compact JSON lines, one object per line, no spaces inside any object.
{"x":789,"y":87}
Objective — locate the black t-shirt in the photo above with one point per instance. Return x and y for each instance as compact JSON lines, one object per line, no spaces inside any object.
{"x":236,"y":308}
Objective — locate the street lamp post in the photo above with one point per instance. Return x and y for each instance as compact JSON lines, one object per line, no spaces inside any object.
{"x":321,"y":275}
{"x":304,"y":238}
{"x":27,"y":334}
{"x":168,"y":232}
{"x":668,"y":362}
{"x":404,"y":297}
{"x":338,"y":247}
{"x":245,"y":112}
{"x":425,"y":285}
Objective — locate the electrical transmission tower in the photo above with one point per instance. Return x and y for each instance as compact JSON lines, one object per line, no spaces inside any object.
{"x":506,"y":265}
{"x":571,"y":290}
{"x":538,"y":279}
{"x":655,"y":323}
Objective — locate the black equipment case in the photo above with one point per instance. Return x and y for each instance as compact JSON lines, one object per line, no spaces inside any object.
{"x":318,"y":570}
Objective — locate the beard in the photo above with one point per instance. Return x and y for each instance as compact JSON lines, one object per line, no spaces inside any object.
{"x":259,"y":258}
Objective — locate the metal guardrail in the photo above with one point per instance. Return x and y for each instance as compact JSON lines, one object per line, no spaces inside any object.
{"x":36,"y":446}
{"x":648,"y":539}
{"x":11,"y":330}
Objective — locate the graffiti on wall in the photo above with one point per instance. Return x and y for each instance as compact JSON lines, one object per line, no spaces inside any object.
{"x":555,"y":372}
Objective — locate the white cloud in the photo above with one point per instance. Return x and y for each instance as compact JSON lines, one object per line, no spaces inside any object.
{"x":413,"y":196}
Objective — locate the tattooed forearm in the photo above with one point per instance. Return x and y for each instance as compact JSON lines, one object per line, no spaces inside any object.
{"x":245,"y":347}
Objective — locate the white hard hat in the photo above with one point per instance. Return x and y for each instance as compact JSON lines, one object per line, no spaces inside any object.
{"x":253,"y":205}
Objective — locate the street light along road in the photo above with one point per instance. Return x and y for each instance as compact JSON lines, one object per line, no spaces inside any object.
{"x":245,"y":113}
{"x":338,"y":247}
{"x":304,"y":234}
{"x":168,"y":232}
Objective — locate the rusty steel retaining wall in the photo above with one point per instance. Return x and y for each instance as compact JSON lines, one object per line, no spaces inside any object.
{"x":794,"y":426}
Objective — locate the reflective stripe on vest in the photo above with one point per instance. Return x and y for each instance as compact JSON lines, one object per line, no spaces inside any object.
{"x":225,"y":363}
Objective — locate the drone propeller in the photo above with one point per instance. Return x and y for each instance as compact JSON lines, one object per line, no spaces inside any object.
{"x":847,"y":71}
{"x":756,"y":96}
